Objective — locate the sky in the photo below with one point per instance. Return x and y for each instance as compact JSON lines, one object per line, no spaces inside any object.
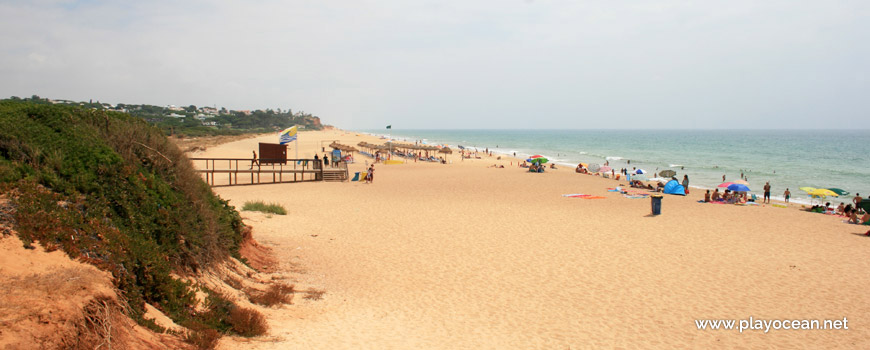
{"x":509,"y":64}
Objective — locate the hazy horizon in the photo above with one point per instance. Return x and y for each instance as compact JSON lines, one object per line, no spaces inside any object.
{"x":457,"y":65}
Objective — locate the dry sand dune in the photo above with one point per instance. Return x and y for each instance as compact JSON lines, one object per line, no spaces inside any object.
{"x":462,"y":256}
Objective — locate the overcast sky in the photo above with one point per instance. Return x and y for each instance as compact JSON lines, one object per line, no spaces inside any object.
{"x":457,"y":64}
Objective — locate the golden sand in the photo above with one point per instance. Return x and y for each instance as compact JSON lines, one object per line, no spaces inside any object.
{"x":465,"y":256}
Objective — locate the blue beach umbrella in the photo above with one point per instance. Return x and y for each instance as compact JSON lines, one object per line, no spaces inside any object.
{"x":738,"y":188}
{"x":640,"y":171}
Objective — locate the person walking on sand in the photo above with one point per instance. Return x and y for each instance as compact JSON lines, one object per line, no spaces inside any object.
{"x":254,"y":161}
{"x":766,"y":193}
{"x":723,"y":177}
{"x":787,"y":195}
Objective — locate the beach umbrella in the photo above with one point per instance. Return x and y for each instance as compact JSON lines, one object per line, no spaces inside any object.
{"x":839,"y":191}
{"x":807,"y":189}
{"x":605,"y":169}
{"x":593,"y":167}
{"x":536,"y":156}
{"x":667,"y":173}
{"x":738,"y":188}
{"x":540,"y":160}
{"x":742,"y":182}
{"x":823,"y":192}
{"x":725,"y":184}
{"x":446,"y":150}
{"x":639,"y":171}
{"x":461,"y":147}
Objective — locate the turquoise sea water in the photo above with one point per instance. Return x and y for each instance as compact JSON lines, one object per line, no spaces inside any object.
{"x":787,"y":158}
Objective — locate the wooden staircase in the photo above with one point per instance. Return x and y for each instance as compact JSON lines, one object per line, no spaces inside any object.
{"x":334,"y":175}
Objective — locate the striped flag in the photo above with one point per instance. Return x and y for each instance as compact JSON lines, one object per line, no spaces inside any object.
{"x":288,"y":135}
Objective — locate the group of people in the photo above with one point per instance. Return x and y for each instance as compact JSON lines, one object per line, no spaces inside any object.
{"x":728,"y":197}
{"x":639,"y":184}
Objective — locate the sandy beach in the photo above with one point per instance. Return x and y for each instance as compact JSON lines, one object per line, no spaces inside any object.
{"x":466,"y":256}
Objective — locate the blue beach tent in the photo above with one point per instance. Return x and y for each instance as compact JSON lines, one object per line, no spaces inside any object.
{"x":674,"y":187}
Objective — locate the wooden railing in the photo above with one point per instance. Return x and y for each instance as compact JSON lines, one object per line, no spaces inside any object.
{"x":282,"y":171}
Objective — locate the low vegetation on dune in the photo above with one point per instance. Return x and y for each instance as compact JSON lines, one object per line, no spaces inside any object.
{"x":271,"y":208}
{"x":111,"y":190}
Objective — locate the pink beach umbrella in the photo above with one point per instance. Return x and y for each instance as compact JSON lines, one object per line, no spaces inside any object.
{"x":605,"y":169}
{"x":725,"y":184}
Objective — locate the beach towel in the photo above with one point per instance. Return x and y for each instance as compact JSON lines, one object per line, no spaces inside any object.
{"x":582,"y":196}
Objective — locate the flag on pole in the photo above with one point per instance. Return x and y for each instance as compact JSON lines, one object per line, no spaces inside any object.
{"x":287,"y":135}
{"x":389,"y":126}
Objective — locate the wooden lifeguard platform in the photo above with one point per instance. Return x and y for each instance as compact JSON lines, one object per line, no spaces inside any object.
{"x":273,"y":162}
{"x":298,"y":170}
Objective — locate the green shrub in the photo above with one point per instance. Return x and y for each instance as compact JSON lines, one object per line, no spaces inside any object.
{"x":109,"y":189}
{"x":272,"y":208}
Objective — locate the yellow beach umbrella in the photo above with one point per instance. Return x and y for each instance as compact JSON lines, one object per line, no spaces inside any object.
{"x":823,"y":192}
{"x":742,"y":182}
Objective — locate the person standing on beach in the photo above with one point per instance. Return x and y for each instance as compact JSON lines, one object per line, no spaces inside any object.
{"x":723,"y":177}
{"x":787,"y":195}
{"x":370,"y":176}
{"x":857,"y":200}
{"x":767,"y":193}
{"x":686,"y":183}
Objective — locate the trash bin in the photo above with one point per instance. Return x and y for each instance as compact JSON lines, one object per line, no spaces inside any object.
{"x":656,"y":201}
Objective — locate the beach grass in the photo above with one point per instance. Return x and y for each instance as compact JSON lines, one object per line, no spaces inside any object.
{"x":272,"y":208}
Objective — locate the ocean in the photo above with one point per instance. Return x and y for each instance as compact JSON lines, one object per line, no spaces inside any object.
{"x":786,"y":158}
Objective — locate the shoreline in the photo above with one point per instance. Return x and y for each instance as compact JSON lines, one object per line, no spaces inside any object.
{"x":799,"y":201}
